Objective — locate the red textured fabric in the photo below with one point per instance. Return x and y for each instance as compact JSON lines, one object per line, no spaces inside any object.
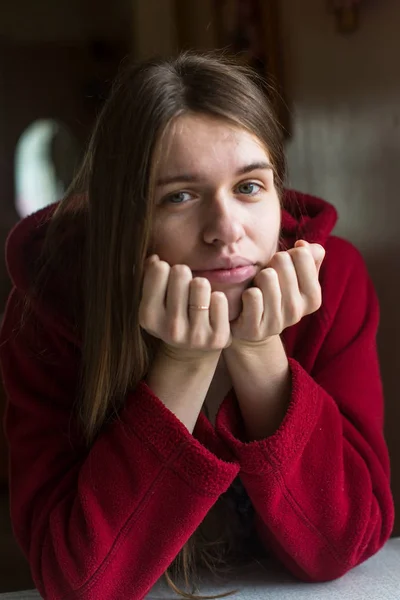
{"x":106,"y":523}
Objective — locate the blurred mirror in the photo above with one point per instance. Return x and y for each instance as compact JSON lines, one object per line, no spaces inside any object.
{"x":46,"y":158}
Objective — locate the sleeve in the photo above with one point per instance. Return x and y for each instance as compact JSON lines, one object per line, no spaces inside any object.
{"x":320,"y":485}
{"x":106,"y":522}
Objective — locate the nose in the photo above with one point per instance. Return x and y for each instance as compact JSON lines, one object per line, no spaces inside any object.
{"x":223,"y":222}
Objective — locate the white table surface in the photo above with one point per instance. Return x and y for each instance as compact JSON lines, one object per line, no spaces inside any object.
{"x":376,"y":579}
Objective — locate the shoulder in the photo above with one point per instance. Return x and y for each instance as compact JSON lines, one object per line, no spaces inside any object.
{"x":45,"y":258}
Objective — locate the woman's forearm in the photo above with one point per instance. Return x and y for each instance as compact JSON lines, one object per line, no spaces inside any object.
{"x":262,"y":383}
{"x":182,"y":383}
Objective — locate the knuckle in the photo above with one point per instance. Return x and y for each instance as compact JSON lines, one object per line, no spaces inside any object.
{"x":301,"y":251}
{"x":220,"y":336}
{"x":218,"y":296}
{"x":219,"y":303}
{"x":197,"y":338}
{"x":267,"y":275}
{"x":276,"y":326}
{"x":315,"y":300}
{"x":174,"y":330}
{"x":278,"y":262}
{"x":157,"y":272}
{"x":200,"y":283}
{"x":161,"y":266}
{"x":293,"y":313}
{"x":181,"y":271}
{"x":252,"y":294}
{"x":282,"y":257}
{"x":219,"y":340}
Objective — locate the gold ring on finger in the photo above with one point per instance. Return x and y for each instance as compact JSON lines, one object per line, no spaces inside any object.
{"x":198,"y":307}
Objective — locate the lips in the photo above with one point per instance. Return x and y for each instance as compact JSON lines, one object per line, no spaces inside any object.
{"x":229,"y":270}
{"x":225,"y":263}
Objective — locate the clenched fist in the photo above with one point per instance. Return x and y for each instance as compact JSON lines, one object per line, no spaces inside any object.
{"x":283,"y":293}
{"x":181,"y":310}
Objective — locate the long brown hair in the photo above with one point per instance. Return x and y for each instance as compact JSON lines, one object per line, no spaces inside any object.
{"x":111,"y":198}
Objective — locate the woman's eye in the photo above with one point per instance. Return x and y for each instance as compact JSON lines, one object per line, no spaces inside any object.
{"x":178,"y":198}
{"x":249,"y":188}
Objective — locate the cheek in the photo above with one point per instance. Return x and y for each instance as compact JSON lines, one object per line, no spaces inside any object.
{"x":268,"y":228}
{"x":165,"y":246}
{"x":159,"y":239}
{"x":170,"y":242}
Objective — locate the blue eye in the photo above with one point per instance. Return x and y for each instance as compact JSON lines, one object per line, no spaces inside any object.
{"x":249,"y":188}
{"x":178,"y":198}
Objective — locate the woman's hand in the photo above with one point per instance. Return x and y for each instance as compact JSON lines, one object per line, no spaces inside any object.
{"x":284,"y":292}
{"x":182,"y":311}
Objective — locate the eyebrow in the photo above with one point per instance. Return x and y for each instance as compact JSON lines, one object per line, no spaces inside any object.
{"x":185,"y":177}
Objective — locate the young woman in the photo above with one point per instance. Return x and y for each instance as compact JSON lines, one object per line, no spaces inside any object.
{"x":189,"y":354}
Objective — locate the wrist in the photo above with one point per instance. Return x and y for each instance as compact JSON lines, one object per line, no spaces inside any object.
{"x":262,"y":383}
{"x":240,"y":347}
{"x":181,"y":381}
{"x":188,"y":358}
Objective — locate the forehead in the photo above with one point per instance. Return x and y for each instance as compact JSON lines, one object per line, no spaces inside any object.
{"x":202,"y":143}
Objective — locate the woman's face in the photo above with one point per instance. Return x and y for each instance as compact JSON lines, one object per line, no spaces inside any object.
{"x":216,"y":204}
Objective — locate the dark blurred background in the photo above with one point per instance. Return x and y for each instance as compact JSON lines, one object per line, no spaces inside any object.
{"x":335,"y":66}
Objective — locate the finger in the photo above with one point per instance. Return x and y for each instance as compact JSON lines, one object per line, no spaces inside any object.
{"x":199,"y":304}
{"x":178,"y":294}
{"x":268,"y":282}
{"x":155,"y":282}
{"x":318,"y":253}
{"x":307,"y":277}
{"x":291,"y":299}
{"x":219,"y":319}
{"x":305,"y":269}
{"x":252,"y":312}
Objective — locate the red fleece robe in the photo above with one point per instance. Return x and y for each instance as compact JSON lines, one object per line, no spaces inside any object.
{"x":106,"y":523}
